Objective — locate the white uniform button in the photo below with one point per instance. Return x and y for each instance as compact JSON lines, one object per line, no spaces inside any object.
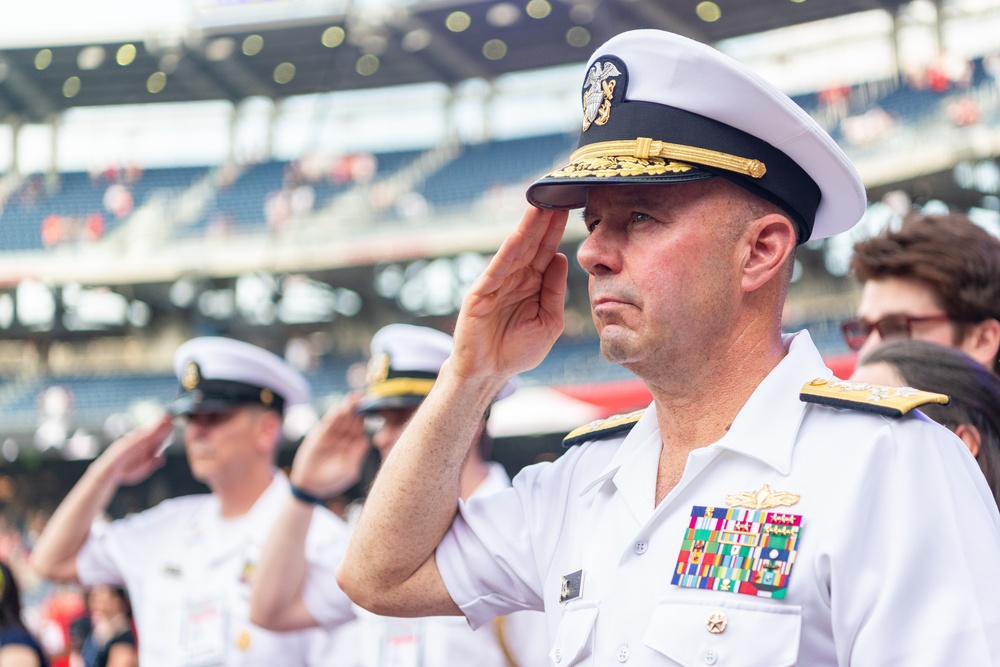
{"x":623,"y":654}
{"x":640,"y":547}
{"x":557,"y":654}
{"x":710,"y":656}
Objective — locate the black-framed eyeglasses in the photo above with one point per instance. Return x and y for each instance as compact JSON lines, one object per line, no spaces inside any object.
{"x":856,"y":330}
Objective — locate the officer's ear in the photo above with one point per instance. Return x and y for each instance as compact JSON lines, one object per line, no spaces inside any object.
{"x":269,"y":424}
{"x":770,"y":242}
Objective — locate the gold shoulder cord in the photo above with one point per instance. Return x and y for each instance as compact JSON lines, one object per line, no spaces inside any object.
{"x":498,"y":623}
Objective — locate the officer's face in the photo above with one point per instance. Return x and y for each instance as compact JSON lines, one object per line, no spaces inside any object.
{"x":389,"y":425}
{"x":221,"y":444}
{"x":663,"y":269}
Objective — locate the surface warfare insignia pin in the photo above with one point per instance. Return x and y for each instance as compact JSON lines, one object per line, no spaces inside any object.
{"x":738,"y":550}
{"x":597,"y":93}
{"x":571,"y":586}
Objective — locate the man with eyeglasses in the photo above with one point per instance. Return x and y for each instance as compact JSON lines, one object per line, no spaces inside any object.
{"x":936,"y":278}
{"x":291,"y":593}
{"x":188,"y":562}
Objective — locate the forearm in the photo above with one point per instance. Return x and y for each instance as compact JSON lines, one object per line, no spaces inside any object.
{"x":54,"y":554}
{"x":276,"y":602}
{"x":414,"y":498}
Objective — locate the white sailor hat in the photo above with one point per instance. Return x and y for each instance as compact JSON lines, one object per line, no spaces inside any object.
{"x":405,"y":361}
{"x":661,"y":108}
{"x":218,"y":374}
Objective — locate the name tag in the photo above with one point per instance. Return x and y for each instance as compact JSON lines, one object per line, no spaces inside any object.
{"x":203,"y":633}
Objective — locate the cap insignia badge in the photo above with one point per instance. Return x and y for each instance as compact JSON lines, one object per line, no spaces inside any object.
{"x":761,"y":499}
{"x":266,"y":396}
{"x":378,"y":368}
{"x":192,"y":376}
{"x":597,"y":94}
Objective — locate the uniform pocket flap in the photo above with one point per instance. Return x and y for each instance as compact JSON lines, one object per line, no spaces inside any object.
{"x":734,"y":634}
{"x":573,"y":642}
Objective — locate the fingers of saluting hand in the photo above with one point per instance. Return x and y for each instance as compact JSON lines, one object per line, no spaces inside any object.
{"x":533,"y":244}
{"x":136,"y":454}
{"x":334,"y":450}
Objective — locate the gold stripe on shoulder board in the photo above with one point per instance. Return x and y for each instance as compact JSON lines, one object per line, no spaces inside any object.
{"x":888,"y":401}
{"x":602,"y":428}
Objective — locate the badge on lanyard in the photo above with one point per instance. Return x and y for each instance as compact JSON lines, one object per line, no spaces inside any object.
{"x":740,"y":549}
{"x":203,"y":632}
{"x":401,"y":643}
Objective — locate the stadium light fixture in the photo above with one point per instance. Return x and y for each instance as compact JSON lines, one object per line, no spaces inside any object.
{"x":367,"y":64}
{"x":538,"y":9}
{"x":495,"y":49}
{"x":252,"y":45}
{"x":220,"y":48}
{"x":43,"y":59}
{"x":125,"y":55}
{"x":71,"y":87}
{"x":458,"y":21}
{"x":333,"y":37}
{"x":284,"y":73}
{"x":709,"y":12}
{"x":90,"y":57}
{"x":503,"y":14}
{"x":156,"y":82}
{"x":417,"y":40}
{"x":578,"y":36}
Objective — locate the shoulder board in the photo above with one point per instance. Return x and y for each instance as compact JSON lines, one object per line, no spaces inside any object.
{"x":602,"y":428}
{"x":888,"y":401}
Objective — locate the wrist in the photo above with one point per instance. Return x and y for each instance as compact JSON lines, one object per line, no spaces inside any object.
{"x":304,"y":496}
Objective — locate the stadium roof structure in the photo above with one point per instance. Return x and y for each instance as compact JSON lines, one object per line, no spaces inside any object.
{"x":446,"y":42}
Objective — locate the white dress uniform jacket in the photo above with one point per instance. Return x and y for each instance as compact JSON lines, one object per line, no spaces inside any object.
{"x":187,"y":570}
{"x":896,"y":543}
{"x":439,"y":641}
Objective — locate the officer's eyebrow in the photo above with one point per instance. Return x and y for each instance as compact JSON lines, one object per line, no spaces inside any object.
{"x":629,"y":200}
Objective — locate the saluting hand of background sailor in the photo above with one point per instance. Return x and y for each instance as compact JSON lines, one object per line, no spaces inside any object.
{"x":330,"y":458}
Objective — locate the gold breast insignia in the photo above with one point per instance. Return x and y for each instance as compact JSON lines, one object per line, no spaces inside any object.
{"x":762,"y":499}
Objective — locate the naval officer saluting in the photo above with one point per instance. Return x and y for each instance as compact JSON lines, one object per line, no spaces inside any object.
{"x":188,"y":562}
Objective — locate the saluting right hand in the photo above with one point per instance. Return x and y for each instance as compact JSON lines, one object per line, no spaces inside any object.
{"x":330,"y":458}
{"x":136,"y":455}
{"x":514,"y":312}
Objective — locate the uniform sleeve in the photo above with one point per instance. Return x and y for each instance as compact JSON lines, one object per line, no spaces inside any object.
{"x":494,"y":556}
{"x":912,"y":571}
{"x":326,"y":543}
{"x":115,"y":552}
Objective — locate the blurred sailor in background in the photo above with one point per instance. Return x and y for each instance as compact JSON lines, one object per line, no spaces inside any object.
{"x":404,"y":363}
{"x":188,"y":562}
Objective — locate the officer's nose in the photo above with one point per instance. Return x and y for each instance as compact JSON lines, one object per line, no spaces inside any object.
{"x":597,"y":254}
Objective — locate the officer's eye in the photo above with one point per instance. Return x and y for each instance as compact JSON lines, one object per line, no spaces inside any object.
{"x":592,"y":225}
{"x":641,"y":217}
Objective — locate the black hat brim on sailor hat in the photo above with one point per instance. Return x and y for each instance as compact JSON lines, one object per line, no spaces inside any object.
{"x":660,"y":108}
{"x":219,"y":374}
